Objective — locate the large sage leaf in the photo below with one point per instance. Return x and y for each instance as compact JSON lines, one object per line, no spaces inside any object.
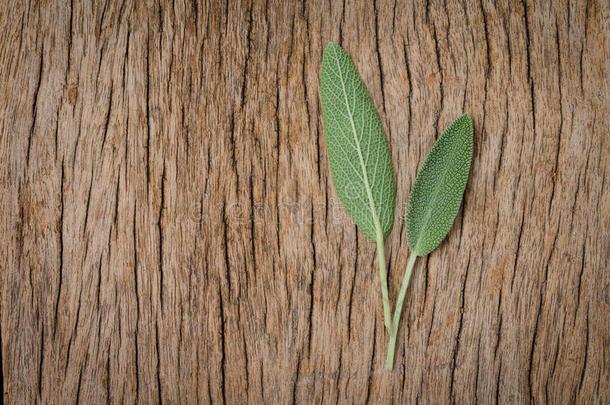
{"x":439,"y":186}
{"x":358,"y":152}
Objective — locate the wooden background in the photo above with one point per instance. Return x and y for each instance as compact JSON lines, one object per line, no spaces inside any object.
{"x":170,"y":232}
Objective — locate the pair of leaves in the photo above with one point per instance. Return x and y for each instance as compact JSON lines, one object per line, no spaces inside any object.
{"x":362,"y":172}
{"x":361,"y":165}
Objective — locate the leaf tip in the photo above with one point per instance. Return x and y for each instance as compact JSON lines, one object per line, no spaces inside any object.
{"x":464,"y":121}
{"x":331,"y":46}
{"x":465,"y":118}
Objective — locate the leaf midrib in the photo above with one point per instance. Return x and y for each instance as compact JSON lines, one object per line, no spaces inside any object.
{"x":369,"y":192}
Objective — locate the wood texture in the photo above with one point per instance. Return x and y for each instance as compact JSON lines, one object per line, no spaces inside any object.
{"x":171,"y":233}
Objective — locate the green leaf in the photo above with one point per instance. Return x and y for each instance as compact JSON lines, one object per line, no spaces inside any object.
{"x":358,"y":152}
{"x":439,"y":186}
{"x":434,"y":201}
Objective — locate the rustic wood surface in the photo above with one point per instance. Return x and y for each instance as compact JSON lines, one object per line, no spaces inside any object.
{"x":170,"y":232}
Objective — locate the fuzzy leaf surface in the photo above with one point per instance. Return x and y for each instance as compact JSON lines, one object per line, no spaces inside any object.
{"x":437,"y":192}
{"x":358,"y":153}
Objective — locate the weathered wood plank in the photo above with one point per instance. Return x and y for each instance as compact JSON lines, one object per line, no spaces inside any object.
{"x":171,"y":232}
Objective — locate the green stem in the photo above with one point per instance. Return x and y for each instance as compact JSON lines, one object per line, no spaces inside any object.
{"x":389,"y":364}
{"x":387,"y":314}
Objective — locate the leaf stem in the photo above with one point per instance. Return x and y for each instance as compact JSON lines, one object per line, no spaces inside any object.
{"x":387,"y":313}
{"x":389,"y":364}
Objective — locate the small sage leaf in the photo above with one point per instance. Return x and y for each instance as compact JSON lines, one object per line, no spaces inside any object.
{"x":358,"y":153}
{"x":439,"y":186}
{"x":434,"y":201}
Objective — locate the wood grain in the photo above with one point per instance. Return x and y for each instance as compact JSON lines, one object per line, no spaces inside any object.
{"x":171,"y":232}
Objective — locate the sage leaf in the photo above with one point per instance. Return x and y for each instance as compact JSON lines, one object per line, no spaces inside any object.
{"x":437,"y":192}
{"x":434,"y":201}
{"x":358,"y":153}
